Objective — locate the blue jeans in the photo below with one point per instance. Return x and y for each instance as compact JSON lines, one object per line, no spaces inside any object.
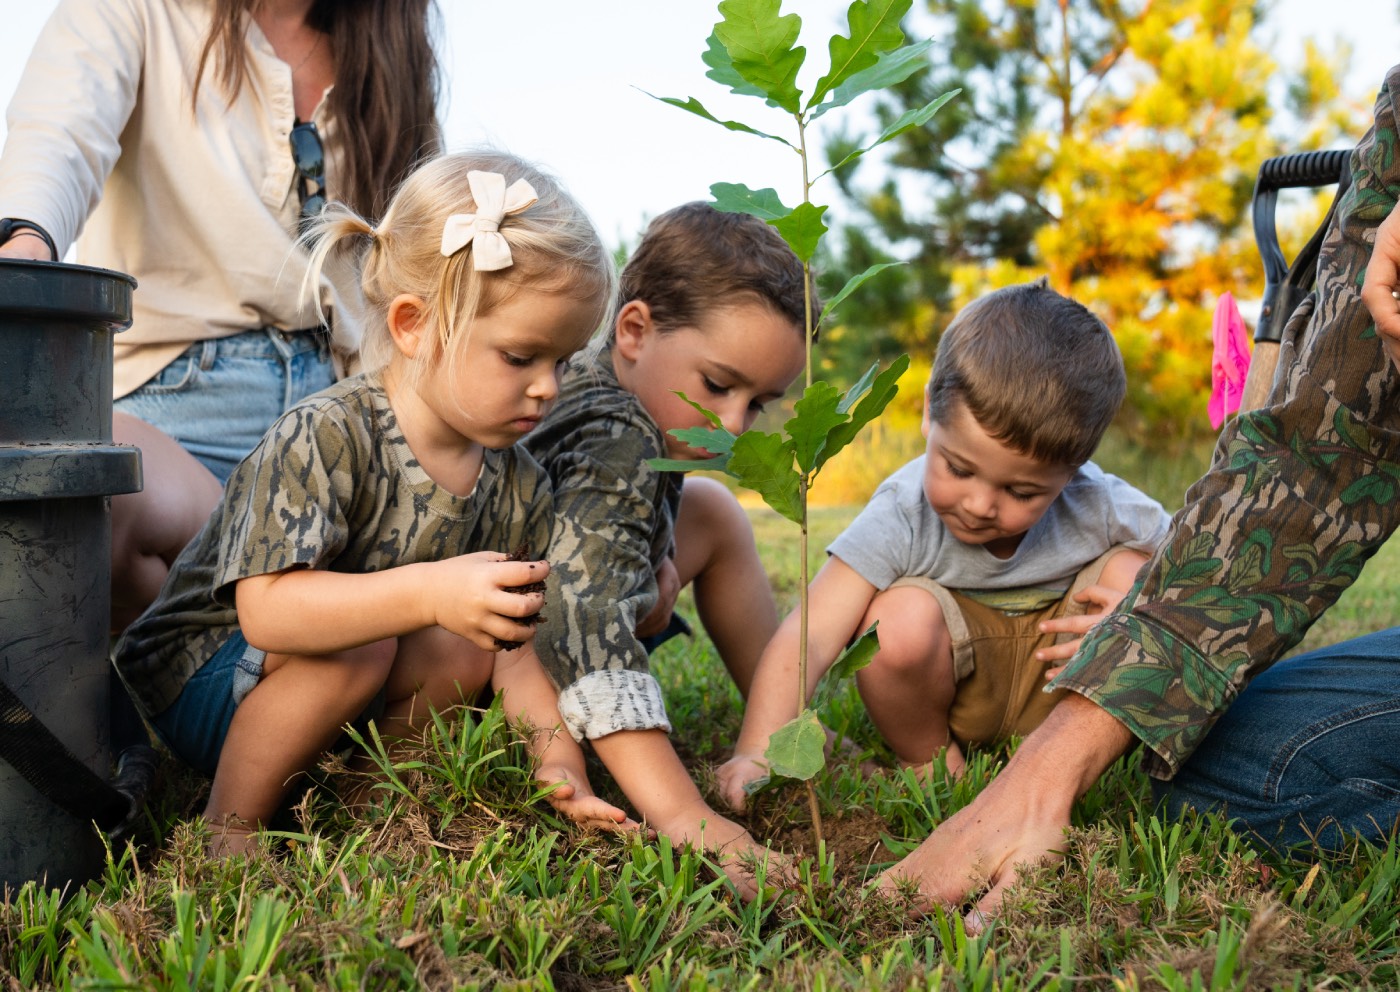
{"x":1309,"y":752}
{"x":220,"y":396}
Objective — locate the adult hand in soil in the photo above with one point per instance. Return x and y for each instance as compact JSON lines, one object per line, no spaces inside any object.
{"x":472,"y":597}
{"x":739,"y":776}
{"x":1382,"y":278}
{"x":1019,"y":819}
{"x":575,"y":799}
{"x":668,"y":588}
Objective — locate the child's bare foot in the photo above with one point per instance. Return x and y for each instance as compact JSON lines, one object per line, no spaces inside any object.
{"x":575,"y":799}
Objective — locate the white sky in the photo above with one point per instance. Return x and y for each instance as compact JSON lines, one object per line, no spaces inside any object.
{"x":557,"y":81}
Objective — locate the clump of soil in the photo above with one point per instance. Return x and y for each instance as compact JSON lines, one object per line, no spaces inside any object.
{"x":522,"y":553}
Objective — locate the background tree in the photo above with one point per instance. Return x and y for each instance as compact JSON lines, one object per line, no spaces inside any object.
{"x":1109,"y":144}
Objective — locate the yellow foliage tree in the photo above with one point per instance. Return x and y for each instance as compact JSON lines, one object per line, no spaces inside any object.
{"x":1110,"y":145}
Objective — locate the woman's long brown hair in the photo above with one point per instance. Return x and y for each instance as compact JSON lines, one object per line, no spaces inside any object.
{"x":384,"y":102}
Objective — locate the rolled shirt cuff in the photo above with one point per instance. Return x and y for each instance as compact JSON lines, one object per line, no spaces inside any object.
{"x":605,"y":702}
{"x":1153,"y":682}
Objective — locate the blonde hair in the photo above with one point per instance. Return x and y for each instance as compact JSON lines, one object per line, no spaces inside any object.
{"x":554,"y":249}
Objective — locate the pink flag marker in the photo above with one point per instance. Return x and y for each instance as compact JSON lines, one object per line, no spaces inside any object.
{"x":1229,"y":361}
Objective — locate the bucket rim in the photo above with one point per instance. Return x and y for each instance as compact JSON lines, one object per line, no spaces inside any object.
{"x":70,"y":267}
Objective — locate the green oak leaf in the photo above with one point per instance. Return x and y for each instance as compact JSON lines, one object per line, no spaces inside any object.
{"x":716,"y":442}
{"x":709,"y":415}
{"x":874,"y":29}
{"x":802,"y":229}
{"x":735,"y":198}
{"x":814,"y":415}
{"x":716,"y":56}
{"x":852,"y":284}
{"x":861,"y":387}
{"x":695,"y":107}
{"x":871,"y":405}
{"x":798,"y":748}
{"x":890,"y":69}
{"x":720,"y":463}
{"x":855,"y":657}
{"x":909,"y":119}
{"x":762,"y":48}
{"x":763,"y":462}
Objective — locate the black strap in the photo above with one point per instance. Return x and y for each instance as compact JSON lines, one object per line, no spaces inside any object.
{"x":56,"y":773}
{"x":10,"y":226}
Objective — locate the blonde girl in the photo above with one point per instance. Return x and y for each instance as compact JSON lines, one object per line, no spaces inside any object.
{"x":355,"y":562}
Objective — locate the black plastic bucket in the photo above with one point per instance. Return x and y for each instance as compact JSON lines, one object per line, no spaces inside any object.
{"x":58,"y":470}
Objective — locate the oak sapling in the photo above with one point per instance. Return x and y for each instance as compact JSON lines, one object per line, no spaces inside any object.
{"x":753,"y":51}
{"x":522,"y":553}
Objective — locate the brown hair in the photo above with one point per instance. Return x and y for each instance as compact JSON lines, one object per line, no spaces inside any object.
{"x":1036,"y":370}
{"x":554,"y":249}
{"x":694,"y":258}
{"x":384,"y":102}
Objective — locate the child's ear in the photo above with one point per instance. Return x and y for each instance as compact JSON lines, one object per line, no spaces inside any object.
{"x":634,"y":325}
{"x":927,"y":421}
{"x":407,"y":323}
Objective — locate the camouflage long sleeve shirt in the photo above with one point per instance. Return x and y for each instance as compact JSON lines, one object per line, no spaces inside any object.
{"x":614,"y":521}
{"x":1299,"y":495}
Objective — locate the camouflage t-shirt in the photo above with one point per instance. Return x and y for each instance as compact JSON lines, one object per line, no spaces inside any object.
{"x":614,"y":518}
{"x":333,"y":485}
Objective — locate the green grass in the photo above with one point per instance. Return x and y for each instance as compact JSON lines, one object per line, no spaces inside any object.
{"x":459,"y":876}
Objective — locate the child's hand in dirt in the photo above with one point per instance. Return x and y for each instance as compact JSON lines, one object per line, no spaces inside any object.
{"x":575,"y":799}
{"x":1100,"y":601}
{"x":731,"y":848}
{"x":472,"y":596}
{"x":739,"y":777}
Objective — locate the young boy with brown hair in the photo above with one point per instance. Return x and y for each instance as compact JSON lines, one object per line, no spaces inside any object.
{"x":963,"y":554}
{"x":711,"y":305}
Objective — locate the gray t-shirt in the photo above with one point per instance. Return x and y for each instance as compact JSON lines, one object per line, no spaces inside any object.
{"x":332,"y":485}
{"x":898,"y":535}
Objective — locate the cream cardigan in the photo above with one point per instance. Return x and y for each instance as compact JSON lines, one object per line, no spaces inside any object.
{"x":199,"y":206}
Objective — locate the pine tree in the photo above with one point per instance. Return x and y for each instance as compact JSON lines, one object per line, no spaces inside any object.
{"x":1109,"y":144}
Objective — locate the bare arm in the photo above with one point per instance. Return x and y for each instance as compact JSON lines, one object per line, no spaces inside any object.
{"x":315,"y":612}
{"x":532,"y":702}
{"x":839,"y":599}
{"x":1019,"y":819}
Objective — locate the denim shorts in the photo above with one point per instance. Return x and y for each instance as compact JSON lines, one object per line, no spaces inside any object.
{"x":220,"y":396}
{"x":196,"y":724}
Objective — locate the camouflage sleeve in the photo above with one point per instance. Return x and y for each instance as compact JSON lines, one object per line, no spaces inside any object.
{"x":1299,"y":495}
{"x":607,"y":508}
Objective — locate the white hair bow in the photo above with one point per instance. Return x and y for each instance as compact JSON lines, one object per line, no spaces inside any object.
{"x":493,"y":203}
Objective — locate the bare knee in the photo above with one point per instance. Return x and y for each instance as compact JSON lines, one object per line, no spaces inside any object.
{"x":710,"y":525}
{"x":913,"y":635}
{"x":439,"y":668}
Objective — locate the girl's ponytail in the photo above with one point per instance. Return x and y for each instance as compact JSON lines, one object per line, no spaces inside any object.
{"x":321,"y":235}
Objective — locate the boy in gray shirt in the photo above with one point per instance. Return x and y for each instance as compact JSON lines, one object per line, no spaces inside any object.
{"x":972,"y":555}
